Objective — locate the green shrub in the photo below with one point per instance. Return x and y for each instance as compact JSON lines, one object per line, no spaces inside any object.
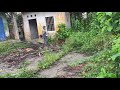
{"x":100,"y":42}
{"x":98,"y":61}
{"x":89,"y":42}
{"x":98,"y":38}
{"x":116,"y":55}
{"x":104,"y":74}
{"x":77,"y":26}
{"x":63,"y":32}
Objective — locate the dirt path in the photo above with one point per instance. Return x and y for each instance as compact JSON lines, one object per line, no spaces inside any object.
{"x":58,"y":70}
{"x":34,"y":63}
{"x":31,"y":66}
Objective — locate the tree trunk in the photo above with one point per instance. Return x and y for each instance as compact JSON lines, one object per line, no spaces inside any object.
{"x":15,"y":28}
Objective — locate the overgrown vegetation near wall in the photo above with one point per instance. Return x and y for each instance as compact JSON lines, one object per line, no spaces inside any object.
{"x":102,"y":40}
{"x":99,"y":38}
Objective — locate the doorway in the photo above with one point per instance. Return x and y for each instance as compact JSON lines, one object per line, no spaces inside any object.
{"x":33,"y":29}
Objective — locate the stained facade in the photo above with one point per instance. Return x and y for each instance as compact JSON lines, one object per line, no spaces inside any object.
{"x":34,"y":21}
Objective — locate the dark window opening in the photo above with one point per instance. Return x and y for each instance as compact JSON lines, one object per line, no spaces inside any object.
{"x":50,"y":23}
{"x":31,"y":15}
{"x":35,"y":15}
{"x":27,"y":16}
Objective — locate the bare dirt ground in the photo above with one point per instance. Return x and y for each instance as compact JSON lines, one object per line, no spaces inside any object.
{"x":61,"y":69}
{"x":11,"y":62}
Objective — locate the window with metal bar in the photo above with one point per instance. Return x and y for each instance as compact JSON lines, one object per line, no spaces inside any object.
{"x":50,"y":23}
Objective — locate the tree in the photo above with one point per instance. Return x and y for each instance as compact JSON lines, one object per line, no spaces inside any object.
{"x":11,"y":18}
{"x":15,"y":27}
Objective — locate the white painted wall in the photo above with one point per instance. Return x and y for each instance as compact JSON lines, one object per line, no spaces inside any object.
{"x":40,"y":18}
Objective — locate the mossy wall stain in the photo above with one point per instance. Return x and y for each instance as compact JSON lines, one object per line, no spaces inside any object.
{"x":60,"y":18}
{"x":40,"y":29}
{"x":27,"y":35}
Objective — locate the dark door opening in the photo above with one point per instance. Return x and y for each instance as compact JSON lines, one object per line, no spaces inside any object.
{"x":33,"y":29}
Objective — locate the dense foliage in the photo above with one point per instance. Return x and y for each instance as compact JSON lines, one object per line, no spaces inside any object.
{"x":63,"y":32}
{"x":98,"y":35}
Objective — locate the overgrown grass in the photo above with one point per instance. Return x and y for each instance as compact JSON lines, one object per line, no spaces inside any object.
{"x":24,"y":73}
{"x":9,"y":46}
{"x":97,"y":41}
{"x":51,"y":57}
{"x":97,"y":62}
{"x":91,"y":43}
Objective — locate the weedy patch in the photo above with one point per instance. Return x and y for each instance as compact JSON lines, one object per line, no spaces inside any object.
{"x":24,"y":73}
{"x":9,"y":46}
{"x":24,"y":64}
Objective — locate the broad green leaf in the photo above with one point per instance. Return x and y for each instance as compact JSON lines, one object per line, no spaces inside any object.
{"x":109,"y":13}
{"x":103,"y":70}
{"x":102,"y":20}
{"x":110,"y":28}
{"x":99,"y":13}
{"x":116,"y":21}
{"x":100,"y":77}
{"x":111,"y":75}
{"x":115,"y":56}
{"x":104,"y":28}
{"x":107,"y":21}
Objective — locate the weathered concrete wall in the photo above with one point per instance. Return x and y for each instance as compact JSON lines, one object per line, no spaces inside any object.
{"x":59,"y":17}
{"x":5,"y":24}
{"x":67,"y":19}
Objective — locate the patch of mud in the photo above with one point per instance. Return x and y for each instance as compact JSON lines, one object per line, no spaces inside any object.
{"x":74,"y":69}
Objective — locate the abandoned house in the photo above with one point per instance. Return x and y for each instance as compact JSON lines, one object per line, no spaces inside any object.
{"x":4,"y":31}
{"x":34,"y":21}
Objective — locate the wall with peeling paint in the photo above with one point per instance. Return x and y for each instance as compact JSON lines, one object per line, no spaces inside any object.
{"x":67,"y":19}
{"x":59,"y":17}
